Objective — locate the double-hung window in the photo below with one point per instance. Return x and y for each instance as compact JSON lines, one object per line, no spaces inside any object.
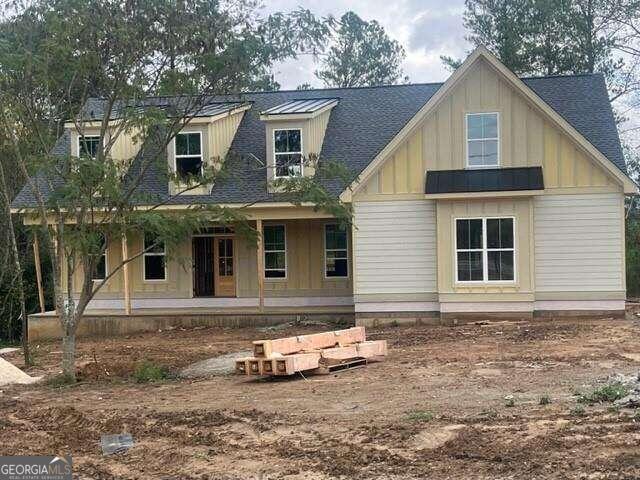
{"x":275,"y":251}
{"x":287,"y":150}
{"x":155,"y":266}
{"x":100,"y":264}
{"x":188,"y":154}
{"x":485,"y":249}
{"x":336,"y":258}
{"x":88,"y":145}
{"x":482,"y":140}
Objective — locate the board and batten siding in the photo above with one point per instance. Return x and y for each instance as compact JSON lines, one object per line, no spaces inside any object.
{"x":395,"y":247}
{"x":579,"y":243}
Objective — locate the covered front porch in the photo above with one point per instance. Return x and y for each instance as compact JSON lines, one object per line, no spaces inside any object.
{"x":299,"y":268}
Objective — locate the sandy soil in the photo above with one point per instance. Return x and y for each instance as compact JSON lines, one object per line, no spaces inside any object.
{"x":434,"y":409}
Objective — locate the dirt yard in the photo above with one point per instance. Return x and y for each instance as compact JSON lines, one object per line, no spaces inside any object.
{"x":435,"y":409}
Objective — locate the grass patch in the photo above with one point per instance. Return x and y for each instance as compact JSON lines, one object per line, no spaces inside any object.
{"x":419,"y":416}
{"x":544,"y":400}
{"x":577,"y":411}
{"x":147,"y":371}
{"x":605,"y":394}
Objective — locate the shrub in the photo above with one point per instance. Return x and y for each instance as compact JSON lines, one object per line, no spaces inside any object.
{"x":607,"y":393}
{"x":577,"y":411}
{"x":544,"y":400}
{"x":420,"y":416}
{"x":147,"y":371}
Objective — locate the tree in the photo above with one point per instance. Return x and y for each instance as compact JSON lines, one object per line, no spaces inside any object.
{"x":361,"y":54}
{"x":50,"y":66}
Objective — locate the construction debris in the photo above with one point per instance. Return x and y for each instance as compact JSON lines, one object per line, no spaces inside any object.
{"x":316,"y":353}
{"x":10,"y":374}
{"x":116,"y":444}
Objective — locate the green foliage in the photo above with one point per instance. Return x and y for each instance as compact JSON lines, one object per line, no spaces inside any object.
{"x":577,"y":411}
{"x":422,"y":416}
{"x":605,"y":394}
{"x":361,"y":54}
{"x":550,"y":37}
{"x":147,"y":371}
{"x":544,"y":400}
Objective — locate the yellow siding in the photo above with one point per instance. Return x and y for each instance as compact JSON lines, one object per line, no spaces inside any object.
{"x":221,"y":133}
{"x":305,"y":268}
{"x":125,"y":147}
{"x":527,"y":138}
{"x":448,"y":210}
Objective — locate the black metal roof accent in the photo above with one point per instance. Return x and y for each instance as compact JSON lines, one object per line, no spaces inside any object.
{"x":484,"y":180}
{"x":303,"y":105}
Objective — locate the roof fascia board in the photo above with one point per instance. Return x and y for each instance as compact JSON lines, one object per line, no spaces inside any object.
{"x":346,"y":196}
{"x":496,"y":194}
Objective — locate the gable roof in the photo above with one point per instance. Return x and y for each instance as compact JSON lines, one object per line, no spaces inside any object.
{"x":362,"y":124}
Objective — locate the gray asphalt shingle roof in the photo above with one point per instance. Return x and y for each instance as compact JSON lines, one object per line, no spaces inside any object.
{"x":363,"y":122}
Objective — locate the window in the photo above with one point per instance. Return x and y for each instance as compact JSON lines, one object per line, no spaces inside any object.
{"x":336,"y":263}
{"x":485,"y":249}
{"x":188,"y":154}
{"x":100,"y":268}
{"x":155,"y":266}
{"x":482,"y":140}
{"x":88,"y":145}
{"x":287,"y":147}
{"x":275,"y":251}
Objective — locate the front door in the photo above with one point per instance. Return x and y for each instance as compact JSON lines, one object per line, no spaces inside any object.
{"x":203,"y":267}
{"x":225,"y":280}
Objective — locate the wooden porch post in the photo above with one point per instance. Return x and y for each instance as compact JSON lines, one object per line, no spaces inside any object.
{"x":260,"y":251}
{"x":125,"y":274}
{"x":36,"y":260}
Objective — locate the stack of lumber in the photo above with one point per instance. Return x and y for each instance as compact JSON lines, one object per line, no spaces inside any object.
{"x":315,"y":353}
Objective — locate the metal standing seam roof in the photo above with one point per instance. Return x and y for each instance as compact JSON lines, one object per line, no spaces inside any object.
{"x":309,"y":105}
{"x":484,"y":180}
{"x":363,"y":122}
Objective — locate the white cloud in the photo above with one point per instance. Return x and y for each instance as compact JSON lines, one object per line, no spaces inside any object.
{"x":426,"y":29}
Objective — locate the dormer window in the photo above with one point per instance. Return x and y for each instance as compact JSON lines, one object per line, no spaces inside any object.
{"x":88,"y":145}
{"x":287,"y":152}
{"x":482,"y":140}
{"x":188,"y":154}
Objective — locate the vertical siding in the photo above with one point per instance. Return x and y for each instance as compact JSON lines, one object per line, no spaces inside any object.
{"x":221,"y":133}
{"x":395,"y":247}
{"x":577,"y":243}
{"x":527,"y":138}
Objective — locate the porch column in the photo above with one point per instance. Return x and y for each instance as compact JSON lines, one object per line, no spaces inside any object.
{"x":260,"y":251}
{"x":125,"y":274}
{"x":36,"y":260}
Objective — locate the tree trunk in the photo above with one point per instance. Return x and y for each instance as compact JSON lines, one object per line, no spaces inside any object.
{"x":69,"y":349}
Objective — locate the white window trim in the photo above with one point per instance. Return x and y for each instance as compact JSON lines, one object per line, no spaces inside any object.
{"x":264,"y":255}
{"x":484,"y":250}
{"x":106,"y":262}
{"x":80,"y":137}
{"x":275,"y":154}
{"x":153,"y":254}
{"x":324,"y":237}
{"x":467,"y":140}
{"x":175,"y":151}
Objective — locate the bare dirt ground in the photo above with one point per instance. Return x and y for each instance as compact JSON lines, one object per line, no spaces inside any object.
{"x":435,"y":409}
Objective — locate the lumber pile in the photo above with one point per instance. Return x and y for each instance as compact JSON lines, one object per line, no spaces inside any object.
{"x":315,"y":353}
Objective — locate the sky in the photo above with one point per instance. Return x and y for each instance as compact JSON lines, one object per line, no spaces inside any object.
{"x":425,"y":28}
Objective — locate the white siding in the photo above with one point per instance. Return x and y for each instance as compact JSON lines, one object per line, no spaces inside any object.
{"x":395,"y":247}
{"x":578,"y":244}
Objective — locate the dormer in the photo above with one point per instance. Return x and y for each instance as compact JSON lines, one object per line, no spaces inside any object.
{"x":204,"y":142}
{"x":295,"y":132}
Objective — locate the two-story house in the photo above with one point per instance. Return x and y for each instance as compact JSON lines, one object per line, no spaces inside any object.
{"x":486,"y":193}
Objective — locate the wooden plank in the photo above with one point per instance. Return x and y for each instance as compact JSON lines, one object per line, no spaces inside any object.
{"x":338,"y":354}
{"x":372,"y":348}
{"x":350,"y":335}
{"x":260,"y":253}
{"x":299,"y":362}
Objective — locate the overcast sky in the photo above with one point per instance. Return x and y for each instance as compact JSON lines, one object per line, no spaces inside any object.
{"x":425,"y":28}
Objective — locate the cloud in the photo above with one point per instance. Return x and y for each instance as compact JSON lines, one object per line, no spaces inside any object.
{"x":426,"y":29}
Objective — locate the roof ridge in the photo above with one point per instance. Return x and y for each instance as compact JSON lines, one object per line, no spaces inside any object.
{"x":561,"y":75}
